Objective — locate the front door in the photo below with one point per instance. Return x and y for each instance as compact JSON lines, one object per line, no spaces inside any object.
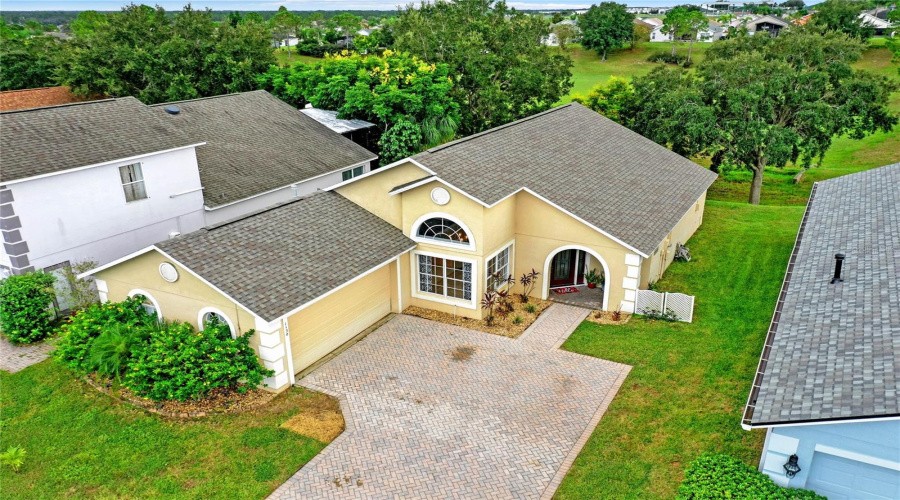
{"x":563,"y":268}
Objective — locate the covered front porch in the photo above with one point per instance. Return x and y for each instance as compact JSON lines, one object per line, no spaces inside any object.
{"x":570,"y":271}
{"x":582,"y":296}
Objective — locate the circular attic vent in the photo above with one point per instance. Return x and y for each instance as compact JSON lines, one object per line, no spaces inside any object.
{"x":172,"y":110}
{"x":168,"y":272}
{"x":440,"y":196}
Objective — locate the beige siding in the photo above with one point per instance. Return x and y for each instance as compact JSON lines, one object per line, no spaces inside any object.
{"x":329,"y":323}
{"x":371,"y":192}
{"x":654,"y":267}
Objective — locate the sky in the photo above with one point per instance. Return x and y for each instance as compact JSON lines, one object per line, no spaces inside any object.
{"x":292,"y":5}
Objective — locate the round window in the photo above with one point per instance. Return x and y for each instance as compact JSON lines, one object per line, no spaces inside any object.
{"x":168,"y":272}
{"x":440,"y":196}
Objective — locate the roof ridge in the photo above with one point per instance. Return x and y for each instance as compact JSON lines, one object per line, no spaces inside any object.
{"x":495,"y":129}
{"x":232,"y":94}
{"x":68,"y":104}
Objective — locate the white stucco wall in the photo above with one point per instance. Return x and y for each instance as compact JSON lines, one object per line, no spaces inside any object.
{"x":227,"y":212}
{"x":83,"y":215}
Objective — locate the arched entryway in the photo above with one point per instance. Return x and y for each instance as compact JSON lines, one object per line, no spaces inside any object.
{"x":566,"y":265}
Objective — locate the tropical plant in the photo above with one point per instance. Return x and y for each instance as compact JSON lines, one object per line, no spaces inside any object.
{"x":517,"y":320}
{"x":26,"y":306}
{"x":112,"y":350}
{"x":73,"y":347}
{"x":500,"y":68}
{"x":606,"y":27}
{"x":714,"y":476}
{"x":489,"y":302}
{"x":530,"y":308}
{"x":14,"y":457}
{"x":655,"y":314}
{"x":528,"y":282}
{"x":594,"y":277}
{"x":177,"y":362}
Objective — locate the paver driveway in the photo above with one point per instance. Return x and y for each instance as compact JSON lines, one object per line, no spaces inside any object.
{"x":438,"y":411}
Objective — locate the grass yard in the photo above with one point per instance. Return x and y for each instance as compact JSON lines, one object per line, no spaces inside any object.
{"x":82,"y":444}
{"x":281,"y":57}
{"x":690,"y":380}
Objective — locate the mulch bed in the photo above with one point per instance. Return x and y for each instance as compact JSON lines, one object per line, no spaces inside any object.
{"x":503,"y":326}
{"x":606,"y":318}
{"x":217,"y":401}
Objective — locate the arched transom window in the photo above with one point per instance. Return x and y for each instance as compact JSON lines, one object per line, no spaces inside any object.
{"x":439,"y":228}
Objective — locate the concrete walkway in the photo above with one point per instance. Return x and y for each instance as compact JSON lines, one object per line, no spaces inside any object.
{"x":438,"y":411}
{"x":14,"y":358}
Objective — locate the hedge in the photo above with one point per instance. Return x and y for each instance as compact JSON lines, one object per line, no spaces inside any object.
{"x":26,"y":307}
{"x":715,"y":476}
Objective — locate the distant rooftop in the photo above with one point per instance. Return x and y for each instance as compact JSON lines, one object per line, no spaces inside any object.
{"x":833,"y":349}
{"x":330,"y":120}
{"x":11,"y":100}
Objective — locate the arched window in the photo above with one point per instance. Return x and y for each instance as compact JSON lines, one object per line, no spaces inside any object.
{"x":439,"y":228}
{"x":148,"y":303}
{"x":208,"y":314}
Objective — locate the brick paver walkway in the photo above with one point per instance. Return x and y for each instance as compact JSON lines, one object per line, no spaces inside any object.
{"x":14,"y":358}
{"x":438,"y":411}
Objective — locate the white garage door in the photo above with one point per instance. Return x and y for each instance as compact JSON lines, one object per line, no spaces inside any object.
{"x":336,"y":319}
{"x":840,"y":478}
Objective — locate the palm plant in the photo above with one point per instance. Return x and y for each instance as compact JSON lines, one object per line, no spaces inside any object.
{"x":14,"y":456}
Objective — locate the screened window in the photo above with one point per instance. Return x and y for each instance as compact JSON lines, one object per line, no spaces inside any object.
{"x":353,"y":172}
{"x":439,"y":228}
{"x":446,"y":277}
{"x":499,"y":262}
{"x":133,"y":182}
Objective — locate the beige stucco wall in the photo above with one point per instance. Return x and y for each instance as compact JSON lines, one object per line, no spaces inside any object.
{"x":371,"y":192}
{"x":185,"y":298}
{"x":654,"y":267}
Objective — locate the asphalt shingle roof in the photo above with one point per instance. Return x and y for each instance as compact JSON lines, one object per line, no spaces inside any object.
{"x":280,"y":258}
{"x":613,"y":178}
{"x":835,"y":348}
{"x":255,"y":143}
{"x":53,"y":139}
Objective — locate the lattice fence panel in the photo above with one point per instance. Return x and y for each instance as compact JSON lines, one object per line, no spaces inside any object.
{"x":648,"y":299}
{"x":682,"y":305}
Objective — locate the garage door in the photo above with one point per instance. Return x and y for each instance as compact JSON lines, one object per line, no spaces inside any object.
{"x":334,"y":320}
{"x":840,"y":478}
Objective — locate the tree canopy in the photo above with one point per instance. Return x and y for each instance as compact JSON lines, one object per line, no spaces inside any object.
{"x":408,"y":99}
{"x":29,"y":60}
{"x":144,"y":53}
{"x":843,"y":16}
{"x":606,"y":27}
{"x":500,"y":68}
{"x":759,"y":102}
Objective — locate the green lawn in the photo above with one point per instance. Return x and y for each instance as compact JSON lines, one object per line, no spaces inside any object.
{"x":281,"y":56}
{"x":82,"y":444}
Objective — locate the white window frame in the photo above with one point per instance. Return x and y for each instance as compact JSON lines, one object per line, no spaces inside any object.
{"x":509,"y":262}
{"x":138,"y":291}
{"x":139,"y":168}
{"x":466,"y":247}
{"x":353,"y":173}
{"x":206,"y":310}
{"x":443,"y":299}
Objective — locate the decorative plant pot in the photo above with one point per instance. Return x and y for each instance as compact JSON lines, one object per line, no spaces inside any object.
{"x":592,"y":285}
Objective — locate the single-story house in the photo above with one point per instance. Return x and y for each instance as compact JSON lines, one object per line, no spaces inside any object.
{"x":562,"y":192}
{"x":770,"y":25}
{"x":828,"y":381}
{"x":881,"y":26}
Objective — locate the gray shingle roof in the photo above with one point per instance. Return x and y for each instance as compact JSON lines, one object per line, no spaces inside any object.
{"x":255,"y":143}
{"x":53,"y":139}
{"x":613,"y":178}
{"x":278,"y":259}
{"x":833,"y":350}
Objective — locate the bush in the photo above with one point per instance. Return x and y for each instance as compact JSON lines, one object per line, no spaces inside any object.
{"x":315,"y":50}
{"x":111,"y":352}
{"x":668,"y":58}
{"x":177,"y":362}
{"x":668,"y":315}
{"x":77,"y":336}
{"x":26,"y":307}
{"x":720,"y":476}
{"x":14,"y":457}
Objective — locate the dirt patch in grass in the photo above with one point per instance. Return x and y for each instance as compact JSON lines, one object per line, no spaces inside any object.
{"x":507,"y":326}
{"x":320,"y":418}
{"x":608,"y":318}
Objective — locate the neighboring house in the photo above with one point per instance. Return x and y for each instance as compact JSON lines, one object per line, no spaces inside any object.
{"x":881,"y":26}
{"x":561,"y":192}
{"x":290,"y":41}
{"x":98,"y":180}
{"x":770,"y":25}
{"x":359,"y":131}
{"x":711,"y":32}
{"x":552,"y":40}
{"x":12,"y":100}
{"x":827,"y":386}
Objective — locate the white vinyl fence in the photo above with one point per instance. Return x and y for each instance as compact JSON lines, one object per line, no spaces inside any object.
{"x":681,"y":305}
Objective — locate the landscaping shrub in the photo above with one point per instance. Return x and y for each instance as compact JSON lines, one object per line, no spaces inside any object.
{"x":668,"y":58}
{"x":713,"y":476}
{"x":26,"y":307}
{"x":77,"y":336}
{"x":111,"y":352}
{"x":315,"y":50}
{"x":177,"y":362}
{"x":650,"y":313}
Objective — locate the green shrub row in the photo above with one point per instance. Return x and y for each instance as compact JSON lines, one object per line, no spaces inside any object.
{"x":316,"y":50}
{"x":160,"y":361}
{"x":668,"y":58}
{"x":26,"y":307}
{"x":715,"y":476}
